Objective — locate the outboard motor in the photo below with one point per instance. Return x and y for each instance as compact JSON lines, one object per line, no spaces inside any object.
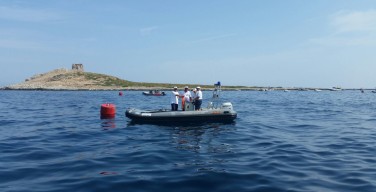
{"x":227,"y":106}
{"x":210,"y":105}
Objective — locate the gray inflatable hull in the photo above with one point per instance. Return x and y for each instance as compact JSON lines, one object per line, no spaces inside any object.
{"x":205,"y":115}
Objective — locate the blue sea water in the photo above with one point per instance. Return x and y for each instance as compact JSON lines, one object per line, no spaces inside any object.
{"x":281,"y":141}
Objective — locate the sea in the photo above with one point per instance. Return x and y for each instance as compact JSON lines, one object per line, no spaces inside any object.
{"x":280,"y":141}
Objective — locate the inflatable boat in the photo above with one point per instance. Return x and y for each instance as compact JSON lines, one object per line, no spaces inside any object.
{"x":215,"y":112}
{"x":154,"y":93}
{"x":223,"y":114}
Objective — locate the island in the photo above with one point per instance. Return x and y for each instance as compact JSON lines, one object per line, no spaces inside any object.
{"x":77,"y":79}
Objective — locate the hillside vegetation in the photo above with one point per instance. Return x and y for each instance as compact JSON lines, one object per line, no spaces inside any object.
{"x":106,"y":80}
{"x":62,"y":79}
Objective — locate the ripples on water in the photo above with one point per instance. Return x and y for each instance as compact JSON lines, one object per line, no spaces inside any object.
{"x":281,"y":141}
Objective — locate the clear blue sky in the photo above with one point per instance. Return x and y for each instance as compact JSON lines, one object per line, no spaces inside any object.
{"x":302,"y":43}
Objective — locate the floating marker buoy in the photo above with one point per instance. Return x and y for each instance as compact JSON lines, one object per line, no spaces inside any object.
{"x":108,"y":111}
{"x":120,"y":93}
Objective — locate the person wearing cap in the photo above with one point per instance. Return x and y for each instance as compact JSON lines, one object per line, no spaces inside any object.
{"x":187,"y":97}
{"x":198,"y":99}
{"x":175,"y":99}
{"x":194,"y":91}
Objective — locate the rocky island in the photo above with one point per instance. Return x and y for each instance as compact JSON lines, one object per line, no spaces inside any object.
{"x":77,"y":79}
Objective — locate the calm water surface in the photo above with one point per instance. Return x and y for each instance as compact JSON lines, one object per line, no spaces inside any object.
{"x":281,"y":141}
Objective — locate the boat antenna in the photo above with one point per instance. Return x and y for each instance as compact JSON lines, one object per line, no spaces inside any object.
{"x":216,"y":92}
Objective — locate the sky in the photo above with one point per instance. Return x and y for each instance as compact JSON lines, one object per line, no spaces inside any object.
{"x":289,"y":43}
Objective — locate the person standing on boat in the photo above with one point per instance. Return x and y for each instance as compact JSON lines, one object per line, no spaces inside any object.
{"x":194,"y":92}
{"x":175,"y":99}
{"x":198,"y":99}
{"x":187,"y":97}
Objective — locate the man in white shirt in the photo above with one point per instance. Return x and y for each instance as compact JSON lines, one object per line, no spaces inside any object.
{"x":175,"y":99}
{"x":194,"y":94}
{"x":198,"y":99}
{"x":187,"y":97}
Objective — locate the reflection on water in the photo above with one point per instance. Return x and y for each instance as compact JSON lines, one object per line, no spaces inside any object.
{"x":204,"y":150}
{"x":188,"y":138}
{"x":108,"y":123}
{"x":200,"y":139}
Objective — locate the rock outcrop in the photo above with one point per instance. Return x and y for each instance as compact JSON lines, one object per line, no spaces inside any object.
{"x":77,"y":79}
{"x":63,"y":79}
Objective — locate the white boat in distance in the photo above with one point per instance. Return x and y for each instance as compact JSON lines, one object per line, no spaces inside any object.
{"x":336,"y":89}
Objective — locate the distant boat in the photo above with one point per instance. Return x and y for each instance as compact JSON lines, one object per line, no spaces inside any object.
{"x":374,"y":91}
{"x":286,"y":90}
{"x":336,"y":89}
{"x":154,"y":93}
{"x":317,"y":90}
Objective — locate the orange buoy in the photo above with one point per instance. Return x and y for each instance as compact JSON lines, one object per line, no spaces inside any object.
{"x":108,"y":110}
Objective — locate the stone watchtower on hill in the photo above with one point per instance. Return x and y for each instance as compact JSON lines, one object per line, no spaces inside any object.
{"x":78,"y":67}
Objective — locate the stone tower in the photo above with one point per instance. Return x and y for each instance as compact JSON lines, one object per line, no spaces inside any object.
{"x":78,"y":67}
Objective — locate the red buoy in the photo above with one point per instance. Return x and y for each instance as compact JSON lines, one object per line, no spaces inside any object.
{"x":108,"y":110}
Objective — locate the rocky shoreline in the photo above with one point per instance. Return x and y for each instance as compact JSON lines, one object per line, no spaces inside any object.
{"x":71,"y":80}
